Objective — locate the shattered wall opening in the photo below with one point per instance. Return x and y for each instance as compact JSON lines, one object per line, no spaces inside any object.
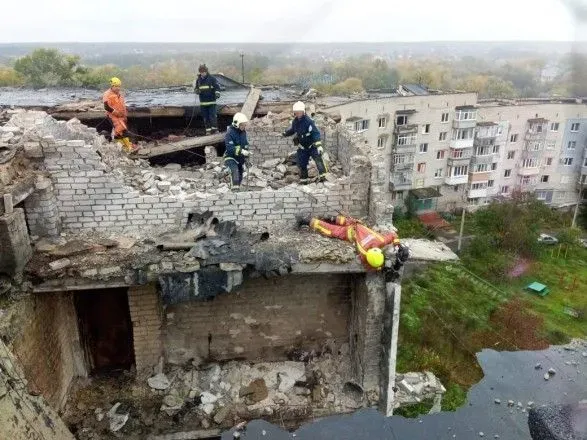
{"x":277,"y":319}
{"x":105,"y":329}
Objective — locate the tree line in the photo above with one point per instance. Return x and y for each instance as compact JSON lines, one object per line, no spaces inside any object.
{"x":508,"y":78}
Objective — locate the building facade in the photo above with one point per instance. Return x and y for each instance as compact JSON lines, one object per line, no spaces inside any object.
{"x":446,"y":151}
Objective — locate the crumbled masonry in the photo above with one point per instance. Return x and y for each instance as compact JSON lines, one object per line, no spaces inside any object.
{"x":155,"y":297}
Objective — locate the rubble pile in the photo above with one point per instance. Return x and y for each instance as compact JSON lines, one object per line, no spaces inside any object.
{"x":214,"y":178}
{"x":284,"y":119}
{"x":224,"y":395}
{"x":415,"y":387}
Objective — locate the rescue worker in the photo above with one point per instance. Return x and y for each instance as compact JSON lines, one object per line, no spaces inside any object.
{"x":115,"y":107}
{"x":307,"y":138}
{"x":208,"y":90}
{"x":237,"y":149}
{"x":369,"y":243}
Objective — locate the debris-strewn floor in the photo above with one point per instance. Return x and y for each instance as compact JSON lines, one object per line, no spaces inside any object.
{"x":214,"y":396}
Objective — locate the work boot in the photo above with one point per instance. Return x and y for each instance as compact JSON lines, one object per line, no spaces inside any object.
{"x":235,"y":188}
{"x":208,"y":131}
{"x":322,"y":178}
{"x":303,"y":220}
{"x":213,"y":130}
{"x":304,"y":181}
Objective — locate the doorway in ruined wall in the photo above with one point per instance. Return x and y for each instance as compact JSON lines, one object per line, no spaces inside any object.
{"x":105,"y":329}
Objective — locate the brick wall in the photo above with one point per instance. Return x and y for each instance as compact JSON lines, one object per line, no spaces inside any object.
{"x":42,"y":211}
{"x":366,"y":329}
{"x":48,"y":346}
{"x":145,"y":314}
{"x":91,"y":198}
{"x":15,"y":248}
{"x":22,"y":415}
{"x":265,"y":321}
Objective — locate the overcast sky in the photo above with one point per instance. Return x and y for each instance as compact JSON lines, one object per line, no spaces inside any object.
{"x":286,"y":21}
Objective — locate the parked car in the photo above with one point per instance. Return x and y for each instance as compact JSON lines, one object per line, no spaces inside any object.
{"x":547,"y":239}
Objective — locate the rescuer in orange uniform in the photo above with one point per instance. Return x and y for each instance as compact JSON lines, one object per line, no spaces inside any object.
{"x":115,"y":107}
{"x":369,"y":243}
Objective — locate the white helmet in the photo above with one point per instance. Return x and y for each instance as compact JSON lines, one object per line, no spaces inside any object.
{"x":238,"y":119}
{"x":299,"y":107}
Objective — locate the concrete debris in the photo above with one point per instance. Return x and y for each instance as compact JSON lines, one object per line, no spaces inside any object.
{"x":538,"y":366}
{"x":255,"y":392}
{"x":159,"y":382}
{"x":416,"y":387}
{"x":207,"y":397}
{"x":497,"y":401}
{"x":117,"y":421}
{"x":221,"y":414}
{"x":60,"y":264}
{"x":551,"y":371}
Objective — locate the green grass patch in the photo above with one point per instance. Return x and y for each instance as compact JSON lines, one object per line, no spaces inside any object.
{"x":411,"y":228}
{"x":415,"y":410}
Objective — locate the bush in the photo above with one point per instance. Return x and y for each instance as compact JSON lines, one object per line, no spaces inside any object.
{"x":49,"y":67}
{"x":10,"y":78}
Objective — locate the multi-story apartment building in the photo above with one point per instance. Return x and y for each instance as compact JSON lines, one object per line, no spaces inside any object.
{"x":445,"y":151}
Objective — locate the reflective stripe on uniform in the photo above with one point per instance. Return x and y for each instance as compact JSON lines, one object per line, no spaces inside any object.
{"x":315,"y":224}
{"x":237,"y":150}
{"x":318,"y":143}
{"x":204,"y":87}
{"x":226,"y":159}
{"x":350,"y":234}
{"x":208,"y":103}
{"x":340,"y":220}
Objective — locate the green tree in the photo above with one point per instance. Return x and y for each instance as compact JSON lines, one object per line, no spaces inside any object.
{"x":49,"y":67}
{"x":10,"y":78}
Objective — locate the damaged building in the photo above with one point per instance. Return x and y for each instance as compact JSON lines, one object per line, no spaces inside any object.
{"x":143,"y":298}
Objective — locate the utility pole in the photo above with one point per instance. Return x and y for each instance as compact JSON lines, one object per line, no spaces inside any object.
{"x":460,"y":242}
{"x":579,"y":198}
{"x":243,"y":65}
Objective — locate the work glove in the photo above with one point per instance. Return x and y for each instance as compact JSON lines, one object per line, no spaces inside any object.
{"x":217,"y":94}
{"x":403,"y":253}
{"x":296,"y":141}
{"x":320,"y":149}
{"x":246,"y":153}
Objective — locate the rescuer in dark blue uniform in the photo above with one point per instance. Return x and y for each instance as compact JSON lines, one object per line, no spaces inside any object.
{"x":237,"y":149}
{"x":308,"y":141}
{"x":208,"y":89}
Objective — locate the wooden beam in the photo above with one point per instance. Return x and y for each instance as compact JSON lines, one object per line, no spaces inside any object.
{"x":248,"y":109}
{"x":19,"y":192}
{"x":155,"y":112}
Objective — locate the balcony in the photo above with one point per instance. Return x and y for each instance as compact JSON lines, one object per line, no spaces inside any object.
{"x":465,"y":123}
{"x":458,"y":160}
{"x":456,"y":180}
{"x":534,"y":171}
{"x":487,"y":131}
{"x":478,"y":193}
{"x":581,"y":184}
{"x":406,"y":129}
{"x":533,"y":136}
{"x":404,"y":164}
{"x":531,"y":154}
{"x":459,"y":144}
{"x":485,"y":159}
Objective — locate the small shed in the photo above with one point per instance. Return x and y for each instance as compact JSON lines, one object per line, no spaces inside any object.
{"x":538,"y":289}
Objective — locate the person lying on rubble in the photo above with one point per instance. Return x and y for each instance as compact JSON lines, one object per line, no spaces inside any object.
{"x":115,"y":107}
{"x":369,"y":243}
{"x":307,"y":138}
{"x":237,"y":149}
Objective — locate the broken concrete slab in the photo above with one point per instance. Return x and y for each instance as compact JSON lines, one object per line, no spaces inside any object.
{"x":60,"y":264}
{"x":255,"y":392}
{"x":159,"y":382}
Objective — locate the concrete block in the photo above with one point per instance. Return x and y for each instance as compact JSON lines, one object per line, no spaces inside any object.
{"x":8,"y":205}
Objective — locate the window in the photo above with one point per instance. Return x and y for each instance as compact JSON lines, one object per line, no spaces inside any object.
{"x":544,"y":179}
{"x":585,"y":162}
{"x":381,"y":141}
{"x":536,"y":146}
{"x":541,"y":195}
{"x":438,"y":173}
{"x":462,"y":134}
{"x":419,"y":183}
{"x":422,"y":167}
{"x":479,"y":185}
{"x":442,"y":136}
{"x":481,"y":168}
{"x":462,"y":170}
{"x":482,"y":151}
{"x":549,"y":161}
{"x":539,"y":129}
{"x":550,"y":145}
{"x":444,"y":117}
{"x":514,"y":138}
{"x":406,"y":139}
{"x":511,"y":154}
{"x":440,"y":154}
{"x":426,"y":129}
{"x":401,"y":120}
{"x":572,"y":145}
{"x":505,"y":189}
{"x":382,"y":122}
{"x":490,"y":183}
{"x":423,"y":148}
{"x":567,"y":161}
{"x":495,"y":149}
{"x":494,"y":166}
{"x":575,"y":127}
{"x":529,"y":163}
{"x":361,"y":125}
{"x":554,"y":126}
{"x":507,"y":173}
{"x":466,"y":115}
{"x":397,"y":195}
{"x":565,"y":179}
